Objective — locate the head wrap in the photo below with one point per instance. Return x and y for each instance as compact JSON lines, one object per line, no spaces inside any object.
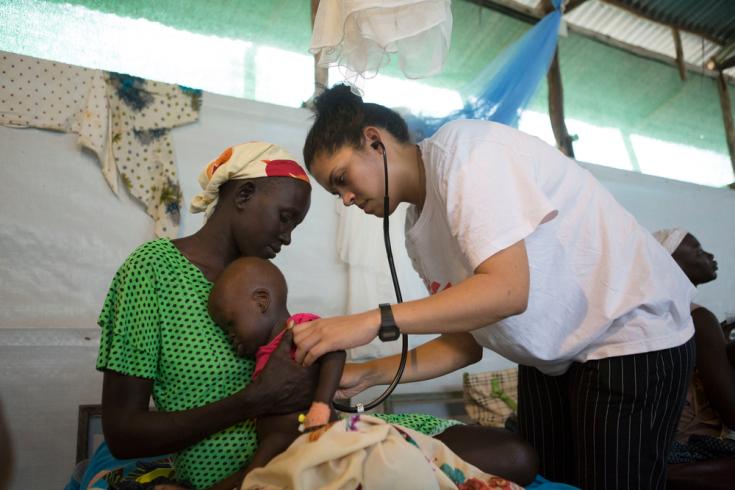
{"x":670,"y":238}
{"x":245,"y":161}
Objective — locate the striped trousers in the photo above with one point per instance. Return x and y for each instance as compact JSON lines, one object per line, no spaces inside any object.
{"x":609,"y":423}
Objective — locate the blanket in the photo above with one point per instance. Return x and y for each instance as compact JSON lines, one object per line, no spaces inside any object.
{"x":365,"y":452}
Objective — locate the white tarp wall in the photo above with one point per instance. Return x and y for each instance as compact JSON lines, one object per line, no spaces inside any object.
{"x":63,"y":234}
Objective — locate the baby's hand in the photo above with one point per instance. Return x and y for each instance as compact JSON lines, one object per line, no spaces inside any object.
{"x":319,"y":414}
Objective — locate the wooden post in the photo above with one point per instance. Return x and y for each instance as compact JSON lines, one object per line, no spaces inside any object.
{"x":556,"y":108}
{"x":727,"y":116}
{"x":679,"y":53}
{"x":547,"y":7}
{"x":321,"y":73}
{"x":556,"y":97}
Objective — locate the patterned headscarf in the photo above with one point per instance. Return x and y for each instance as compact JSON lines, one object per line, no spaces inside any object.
{"x":245,"y":161}
{"x":670,"y":238}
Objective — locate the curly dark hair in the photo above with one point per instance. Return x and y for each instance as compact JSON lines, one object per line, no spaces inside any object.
{"x":340,"y":117}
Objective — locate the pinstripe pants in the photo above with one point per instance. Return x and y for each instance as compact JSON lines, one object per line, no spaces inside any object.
{"x":609,"y":423}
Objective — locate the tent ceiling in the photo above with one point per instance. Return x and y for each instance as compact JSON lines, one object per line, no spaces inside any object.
{"x":645,"y":26}
{"x":641,"y":26}
{"x":712,"y":19}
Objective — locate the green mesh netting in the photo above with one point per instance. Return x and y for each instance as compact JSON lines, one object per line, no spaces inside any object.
{"x":611,"y":87}
{"x":281,"y":23}
{"x":603,"y":85}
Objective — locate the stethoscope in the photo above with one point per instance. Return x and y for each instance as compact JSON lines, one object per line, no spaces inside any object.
{"x":360,"y":407}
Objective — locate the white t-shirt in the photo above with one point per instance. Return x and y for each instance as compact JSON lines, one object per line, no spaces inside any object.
{"x":600,"y":284}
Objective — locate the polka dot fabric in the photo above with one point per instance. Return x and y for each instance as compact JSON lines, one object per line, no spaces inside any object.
{"x":124,"y":120}
{"x":426,"y":424}
{"x":45,"y":94}
{"x":155,"y":325}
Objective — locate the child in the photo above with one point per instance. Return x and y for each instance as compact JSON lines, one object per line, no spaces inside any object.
{"x":248,"y":301}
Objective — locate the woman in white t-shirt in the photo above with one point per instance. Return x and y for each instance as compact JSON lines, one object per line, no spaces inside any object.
{"x":525,"y":253}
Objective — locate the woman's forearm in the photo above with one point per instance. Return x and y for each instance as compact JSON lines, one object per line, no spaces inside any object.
{"x":132,"y":430}
{"x":498,"y":289}
{"x":476,"y":302}
{"x":435,"y":358}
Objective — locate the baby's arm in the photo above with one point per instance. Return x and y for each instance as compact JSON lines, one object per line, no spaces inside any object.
{"x":330,"y":372}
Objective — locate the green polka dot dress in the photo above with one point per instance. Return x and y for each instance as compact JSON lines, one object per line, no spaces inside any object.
{"x":426,"y":424}
{"x":155,"y":325}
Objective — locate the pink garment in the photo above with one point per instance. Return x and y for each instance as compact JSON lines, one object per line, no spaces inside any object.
{"x":264,"y":353}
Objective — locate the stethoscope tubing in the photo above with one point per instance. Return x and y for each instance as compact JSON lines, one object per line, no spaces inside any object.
{"x":360,"y":407}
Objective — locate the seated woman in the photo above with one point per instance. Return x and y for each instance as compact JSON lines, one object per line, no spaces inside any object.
{"x":159,"y":341}
{"x":703,"y":454}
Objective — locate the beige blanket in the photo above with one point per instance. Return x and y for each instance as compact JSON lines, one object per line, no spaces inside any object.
{"x":365,"y":452}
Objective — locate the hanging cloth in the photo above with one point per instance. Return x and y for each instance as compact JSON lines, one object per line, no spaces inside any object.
{"x":142,"y":114}
{"x":124,"y":120}
{"x":359,"y":35}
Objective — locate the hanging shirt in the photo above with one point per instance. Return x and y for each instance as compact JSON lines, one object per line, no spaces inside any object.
{"x":600,"y":284}
{"x":124,"y":120}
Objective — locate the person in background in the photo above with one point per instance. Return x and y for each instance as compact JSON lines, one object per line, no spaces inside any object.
{"x":703,"y":453}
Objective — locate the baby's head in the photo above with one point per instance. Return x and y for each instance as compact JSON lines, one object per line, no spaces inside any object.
{"x":248,"y":301}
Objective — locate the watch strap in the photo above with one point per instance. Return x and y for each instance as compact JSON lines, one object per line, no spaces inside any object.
{"x":388,"y":330}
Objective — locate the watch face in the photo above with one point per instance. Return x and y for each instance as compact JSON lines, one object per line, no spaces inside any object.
{"x":389,"y":333}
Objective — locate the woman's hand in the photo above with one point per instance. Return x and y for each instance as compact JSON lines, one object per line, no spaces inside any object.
{"x":356,"y":378}
{"x":284,"y":385}
{"x":314,"y":339}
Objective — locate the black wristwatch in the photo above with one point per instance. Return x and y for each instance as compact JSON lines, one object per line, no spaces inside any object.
{"x":388,"y":329}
